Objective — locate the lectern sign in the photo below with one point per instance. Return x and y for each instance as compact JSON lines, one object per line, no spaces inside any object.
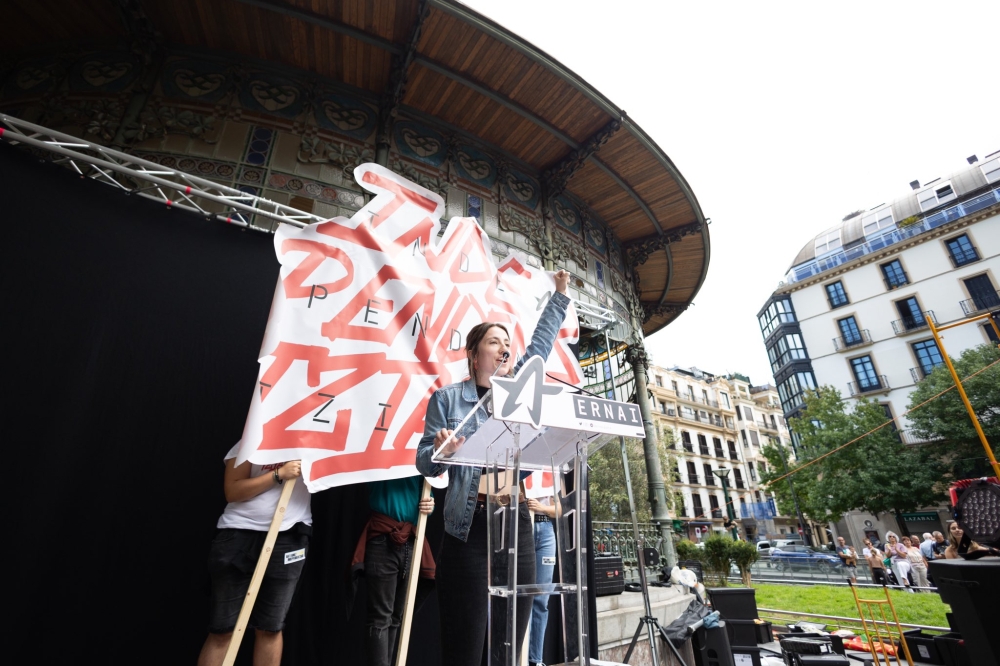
{"x":526,"y":398}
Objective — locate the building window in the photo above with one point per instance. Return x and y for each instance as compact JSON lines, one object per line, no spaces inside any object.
{"x":749,"y":413}
{"x":729,"y":423}
{"x":935,"y":196}
{"x":753,"y":473}
{"x":877,"y":221}
{"x":718,"y":447}
{"x":732,"y":450}
{"x":962,"y":250}
{"x":709,"y":477}
{"x":893,"y":274}
{"x":692,"y":473}
{"x":828,"y":242}
{"x":739,"y":413}
{"x":984,"y":296}
{"x":864,"y":373}
{"x":776,"y":314}
{"x":713,"y":502}
{"x":991,"y":170}
{"x":928,"y":356}
{"x":743,"y":435}
{"x":836,"y":295}
{"x":791,"y":391}
{"x":673,"y":385}
{"x":849,"y":331}
{"x":659,"y":381}
{"x":699,"y":512}
{"x":702,"y":445}
{"x":686,"y":441}
{"x":774,"y":423}
{"x":725,"y":400}
{"x":991,"y":334}
{"x":754,"y":439}
{"x":786,"y":349}
{"x":912,"y":315}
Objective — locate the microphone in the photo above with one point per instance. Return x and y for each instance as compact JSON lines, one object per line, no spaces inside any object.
{"x":488,"y":396}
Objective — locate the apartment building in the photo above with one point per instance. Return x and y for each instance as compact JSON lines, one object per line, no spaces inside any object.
{"x":718,"y":426}
{"x":853,"y":309}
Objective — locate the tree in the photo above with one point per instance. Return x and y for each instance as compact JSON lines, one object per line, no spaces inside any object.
{"x":744,"y":554}
{"x":608,"y":493}
{"x":875,"y":473}
{"x":944,"y":420}
{"x":718,"y":552}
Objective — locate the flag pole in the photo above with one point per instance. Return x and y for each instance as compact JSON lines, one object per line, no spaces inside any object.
{"x":258,"y":573}
{"x":411,"y":584}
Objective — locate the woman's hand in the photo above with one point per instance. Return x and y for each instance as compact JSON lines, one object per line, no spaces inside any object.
{"x":562,"y":281}
{"x":537,"y":507}
{"x":426,"y":505}
{"x":290,"y":470}
{"x":453,"y":445}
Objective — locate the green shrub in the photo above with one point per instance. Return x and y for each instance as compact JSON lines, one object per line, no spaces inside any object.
{"x":686,"y":550}
{"x":743,"y":554}
{"x":718,"y":556}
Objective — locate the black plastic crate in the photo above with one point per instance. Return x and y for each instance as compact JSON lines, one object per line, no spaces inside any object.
{"x":734,"y":603}
{"x":952,"y":649}
{"x":748,"y":632}
{"x":744,"y":655}
{"x":922,"y":647}
{"x":836,"y":641}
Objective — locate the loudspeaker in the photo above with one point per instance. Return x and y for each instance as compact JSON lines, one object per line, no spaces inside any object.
{"x":609,"y":575}
{"x":972,"y":588}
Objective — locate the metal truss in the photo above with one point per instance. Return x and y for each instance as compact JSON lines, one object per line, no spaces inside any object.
{"x":594,"y":316}
{"x":135,"y":175}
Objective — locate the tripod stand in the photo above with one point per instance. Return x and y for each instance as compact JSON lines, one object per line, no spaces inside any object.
{"x":647,"y":621}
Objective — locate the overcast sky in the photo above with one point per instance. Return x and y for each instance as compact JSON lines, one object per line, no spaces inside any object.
{"x":783,"y":117}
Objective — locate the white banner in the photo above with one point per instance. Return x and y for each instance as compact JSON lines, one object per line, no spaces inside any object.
{"x":369,"y":317}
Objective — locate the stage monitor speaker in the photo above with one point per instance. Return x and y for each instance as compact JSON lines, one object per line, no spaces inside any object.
{"x":972,"y":588}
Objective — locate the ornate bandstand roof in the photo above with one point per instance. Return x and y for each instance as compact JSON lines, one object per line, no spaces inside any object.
{"x":441,"y":61}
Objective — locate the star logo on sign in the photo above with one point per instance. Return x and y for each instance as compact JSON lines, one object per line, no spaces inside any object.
{"x":531,"y":374}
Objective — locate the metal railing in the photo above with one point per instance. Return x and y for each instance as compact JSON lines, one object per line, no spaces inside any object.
{"x":840,"y":343}
{"x":879,"y":384}
{"x":983,"y":301}
{"x":910,"y":324}
{"x":619,"y":539}
{"x":817,"y":266}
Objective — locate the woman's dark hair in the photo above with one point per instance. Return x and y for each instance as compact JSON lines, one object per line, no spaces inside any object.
{"x":476,"y":336}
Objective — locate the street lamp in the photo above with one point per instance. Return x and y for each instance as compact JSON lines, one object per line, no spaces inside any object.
{"x":723,"y":474}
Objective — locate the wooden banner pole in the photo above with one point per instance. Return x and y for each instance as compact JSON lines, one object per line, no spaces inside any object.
{"x":411,"y":584}
{"x":258,"y":573}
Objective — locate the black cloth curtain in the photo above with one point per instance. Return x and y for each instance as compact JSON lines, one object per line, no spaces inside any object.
{"x":131,"y":334}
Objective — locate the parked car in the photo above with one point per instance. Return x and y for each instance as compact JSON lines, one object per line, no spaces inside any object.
{"x":794,"y":541}
{"x":763,"y":547}
{"x":803,"y":557}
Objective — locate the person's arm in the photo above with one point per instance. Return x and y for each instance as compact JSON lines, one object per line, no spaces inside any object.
{"x":537,"y":507}
{"x":435,"y":432}
{"x":549,"y":323}
{"x":239,"y":487}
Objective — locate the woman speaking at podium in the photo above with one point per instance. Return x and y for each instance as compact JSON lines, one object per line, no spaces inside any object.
{"x":461,"y":571}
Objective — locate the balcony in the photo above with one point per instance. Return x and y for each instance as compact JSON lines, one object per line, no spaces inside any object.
{"x":733,"y":456}
{"x":919,"y":373}
{"x":719,"y":453}
{"x":911,"y":437}
{"x":739,"y":484}
{"x":817,"y":266}
{"x":841,"y":343}
{"x":687,"y":397}
{"x":911,"y":324}
{"x":693,"y":479}
{"x":880,"y":383}
{"x":688,"y":447}
{"x":982,"y":301}
{"x":709,"y":480}
{"x":704,"y":450}
{"x":716,"y":513}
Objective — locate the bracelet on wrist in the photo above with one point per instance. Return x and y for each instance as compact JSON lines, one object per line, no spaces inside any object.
{"x":277,"y":479}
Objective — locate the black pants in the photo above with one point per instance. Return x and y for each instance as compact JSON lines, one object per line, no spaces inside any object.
{"x":386,"y":567}
{"x":462,"y":592}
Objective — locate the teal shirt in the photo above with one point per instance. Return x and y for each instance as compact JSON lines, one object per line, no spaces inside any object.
{"x":397,"y":498}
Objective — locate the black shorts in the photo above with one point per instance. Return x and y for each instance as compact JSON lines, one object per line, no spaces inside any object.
{"x":231,"y":562}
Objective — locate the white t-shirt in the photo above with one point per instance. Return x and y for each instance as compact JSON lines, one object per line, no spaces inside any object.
{"x":256,"y":513}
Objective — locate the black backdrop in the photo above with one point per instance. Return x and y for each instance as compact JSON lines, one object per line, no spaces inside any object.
{"x":131,"y":335}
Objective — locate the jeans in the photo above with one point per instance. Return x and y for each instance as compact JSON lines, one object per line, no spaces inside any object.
{"x":545,"y":559}
{"x":386,"y":567}
{"x":463,"y":595}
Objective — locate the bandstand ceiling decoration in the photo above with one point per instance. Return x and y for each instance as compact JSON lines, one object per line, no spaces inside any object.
{"x":439,"y":60}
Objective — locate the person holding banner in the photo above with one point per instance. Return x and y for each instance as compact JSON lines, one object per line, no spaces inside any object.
{"x":385,"y":553}
{"x":461,"y":572}
{"x":253,"y":492}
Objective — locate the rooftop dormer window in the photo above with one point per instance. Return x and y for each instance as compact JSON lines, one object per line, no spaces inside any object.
{"x":828,"y":242}
{"x":876,"y":222}
{"x":935,"y":196}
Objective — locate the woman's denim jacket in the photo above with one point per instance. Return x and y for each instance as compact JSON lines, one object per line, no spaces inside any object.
{"x":450,"y":404}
